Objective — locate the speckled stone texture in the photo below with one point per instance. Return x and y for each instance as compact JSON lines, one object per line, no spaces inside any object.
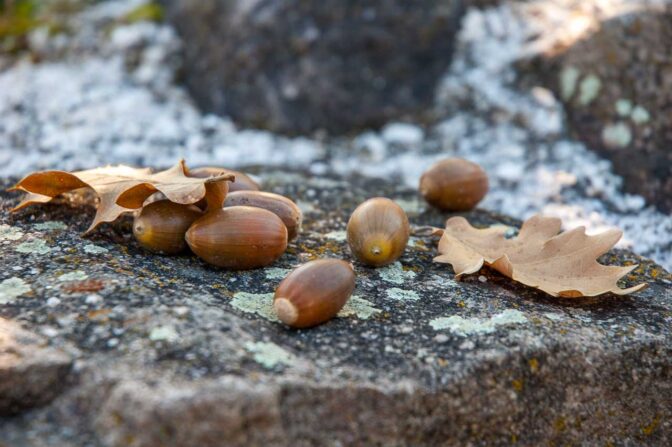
{"x":167,"y":351}
{"x":616,"y":84}
{"x":297,"y":66}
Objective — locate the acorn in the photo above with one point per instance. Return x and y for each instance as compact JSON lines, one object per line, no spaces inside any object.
{"x":160,"y":227}
{"x":454,"y":184}
{"x":238,"y":238}
{"x":378,"y":232}
{"x":243,"y":182}
{"x":314,"y":292}
{"x":279,"y":205}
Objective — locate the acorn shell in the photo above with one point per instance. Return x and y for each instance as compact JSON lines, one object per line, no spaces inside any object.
{"x":279,"y":205}
{"x":314,"y":292}
{"x":160,"y":227}
{"x":378,"y":232}
{"x":238,"y":238}
{"x":454,"y":184}
{"x":243,"y":182}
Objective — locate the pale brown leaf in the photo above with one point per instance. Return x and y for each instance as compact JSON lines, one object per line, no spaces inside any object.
{"x":561,"y":265}
{"x":120,"y":188}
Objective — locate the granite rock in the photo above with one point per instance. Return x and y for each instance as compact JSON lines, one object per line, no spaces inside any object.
{"x":174,"y":352}
{"x":31,"y":373}
{"x":300,"y":66}
{"x":616,"y":84}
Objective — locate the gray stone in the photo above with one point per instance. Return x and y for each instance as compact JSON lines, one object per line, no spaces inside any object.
{"x":31,"y":373}
{"x":299,"y":66}
{"x":176,"y":353}
{"x":617,"y":87}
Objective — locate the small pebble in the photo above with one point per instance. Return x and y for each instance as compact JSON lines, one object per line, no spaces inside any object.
{"x":482,"y":278}
{"x":93,"y":298}
{"x":53,"y":302}
{"x":441,"y":338}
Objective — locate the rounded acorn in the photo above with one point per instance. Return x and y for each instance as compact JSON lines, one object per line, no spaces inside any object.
{"x":279,"y":205}
{"x":160,"y":227}
{"x":243,"y":182}
{"x":314,"y":292}
{"x":238,"y":238}
{"x":378,"y":232}
{"x":454,"y":184}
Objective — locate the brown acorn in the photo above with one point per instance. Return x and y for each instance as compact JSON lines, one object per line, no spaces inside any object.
{"x":378,"y":232}
{"x":279,"y":205}
{"x":160,"y":227}
{"x":454,"y":184}
{"x":243,"y":182}
{"x":314,"y":292}
{"x":238,"y":238}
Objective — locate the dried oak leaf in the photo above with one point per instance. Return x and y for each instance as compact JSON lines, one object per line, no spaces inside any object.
{"x":120,"y":189}
{"x":562,"y":265}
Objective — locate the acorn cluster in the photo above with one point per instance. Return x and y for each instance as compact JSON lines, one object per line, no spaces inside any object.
{"x":239,"y":227}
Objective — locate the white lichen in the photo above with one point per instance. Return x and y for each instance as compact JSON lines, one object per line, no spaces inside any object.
{"x":94,"y":249}
{"x":568,"y":78}
{"x":269,"y":354}
{"x":12,"y":288}
{"x":467,"y":326}
{"x":395,"y":274}
{"x":276,"y":273}
{"x":77,"y":275}
{"x":640,"y":115}
{"x":339,"y":235}
{"x":617,"y":135}
{"x":34,"y":246}
{"x":255,"y":303}
{"x":50,"y":225}
{"x":9,"y":233}
{"x":164,"y":333}
{"x":589,"y":89}
{"x":402,"y":295}
{"x":359,"y":307}
{"x":623,"y":107}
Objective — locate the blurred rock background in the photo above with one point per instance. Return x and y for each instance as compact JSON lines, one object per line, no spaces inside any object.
{"x":565,"y":103}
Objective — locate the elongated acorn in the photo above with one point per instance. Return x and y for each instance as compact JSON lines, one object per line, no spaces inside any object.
{"x":238,"y":238}
{"x":160,"y":227}
{"x":243,"y":182}
{"x":378,"y":232}
{"x":279,"y":205}
{"x":314,"y":292}
{"x":454,"y":184}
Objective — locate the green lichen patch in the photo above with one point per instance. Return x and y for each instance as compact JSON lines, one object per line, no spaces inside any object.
{"x":34,"y":246}
{"x":77,"y":275}
{"x":467,"y":326}
{"x":589,"y":89}
{"x":50,"y":225}
{"x":269,"y":355}
{"x":617,"y":135}
{"x":568,"y":78}
{"x":255,"y":303}
{"x":145,"y":12}
{"x":410,"y":206}
{"x":276,"y":273}
{"x":9,"y":233}
{"x":94,"y":249}
{"x":402,"y":295}
{"x":164,"y":333}
{"x":12,"y":288}
{"x":395,"y":274}
{"x":359,"y":307}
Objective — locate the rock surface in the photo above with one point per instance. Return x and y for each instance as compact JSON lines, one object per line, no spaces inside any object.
{"x":31,"y":373}
{"x":171,"y":352}
{"x":616,"y":84}
{"x":299,"y":66}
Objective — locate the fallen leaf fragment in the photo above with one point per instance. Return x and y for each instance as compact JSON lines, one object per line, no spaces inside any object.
{"x":120,"y":188}
{"x":562,"y":265}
